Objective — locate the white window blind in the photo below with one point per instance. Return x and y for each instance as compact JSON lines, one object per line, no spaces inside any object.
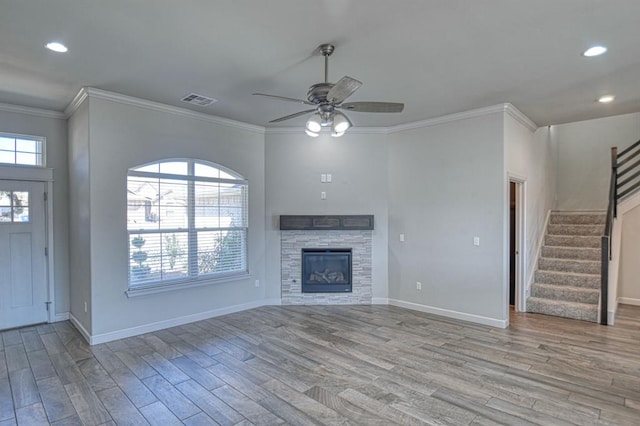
{"x":187,"y":220}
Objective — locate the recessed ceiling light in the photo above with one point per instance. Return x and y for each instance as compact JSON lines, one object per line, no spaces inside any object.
{"x":594,"y":51}
{"x":56,"y":47}
{"x":606,"y":99}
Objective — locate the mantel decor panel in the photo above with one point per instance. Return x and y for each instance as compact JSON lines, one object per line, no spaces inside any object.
{"x":326,"y":223}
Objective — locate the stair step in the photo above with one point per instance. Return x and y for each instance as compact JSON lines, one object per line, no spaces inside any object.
{"x":582,"y":230}
{"x":568,"y":278}
{"x":577,"y":218}
{"x":575,"y":310}
{"x":576,"y":253}
{"x":573,"y":241}
{"x":569,"y":265}
{"x":565,"y":293}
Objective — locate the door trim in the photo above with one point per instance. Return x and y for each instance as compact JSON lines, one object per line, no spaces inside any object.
{"x":521,"y":227}
{"x":44,"y":175}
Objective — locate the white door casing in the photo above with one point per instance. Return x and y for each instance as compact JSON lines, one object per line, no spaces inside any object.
{"x":521,"y":232}
{"x":23,"y":263}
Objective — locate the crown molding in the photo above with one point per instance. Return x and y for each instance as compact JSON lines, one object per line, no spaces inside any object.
{"x":90,"y":92}
{"x":47,"y":113}
{"x":449,"y":118}
{"x":506,"y":108}
{"x":517,"y":115}
{"x":465,"y":115}
{"x":75,"y":103}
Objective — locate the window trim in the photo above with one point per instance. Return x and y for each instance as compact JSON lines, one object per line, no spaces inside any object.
{"x":193,"y":279}
{"x":43,"y":152}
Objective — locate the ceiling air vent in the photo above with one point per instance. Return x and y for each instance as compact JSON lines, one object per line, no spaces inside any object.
{"x":195,"y":99}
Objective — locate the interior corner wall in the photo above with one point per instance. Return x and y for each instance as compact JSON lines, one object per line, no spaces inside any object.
{"x":583,"y":165}
{"x":357,"y":162}
{"x":122,"y":136}
{"x":531,"y":156}
{"x":55,"y":130}
{"x":446,"y":186}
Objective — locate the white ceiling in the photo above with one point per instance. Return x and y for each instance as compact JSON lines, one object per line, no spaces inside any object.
{"x":436,"y":56}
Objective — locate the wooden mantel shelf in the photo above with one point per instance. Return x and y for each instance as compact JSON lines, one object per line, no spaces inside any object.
{"x":326,"y":223}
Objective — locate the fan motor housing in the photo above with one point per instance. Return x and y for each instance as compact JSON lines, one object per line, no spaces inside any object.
{"x":318,"y":92}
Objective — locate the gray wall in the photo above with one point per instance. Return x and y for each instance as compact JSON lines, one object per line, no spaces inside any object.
{"x":584,"y":158}
{"x":79,"y":214}
{"x":530,"y":156}
{"x":629,"y":276}
{"x":122,"y":135}
{"x":55,"y":130}
{"x":446,"y":185}
{"x":358,"y":164}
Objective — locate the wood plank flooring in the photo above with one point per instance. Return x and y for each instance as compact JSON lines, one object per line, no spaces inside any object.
{"x":328,"y":365}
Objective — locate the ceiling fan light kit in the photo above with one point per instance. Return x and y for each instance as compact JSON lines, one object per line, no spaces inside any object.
{"x":327,"y":98}
{"x":340,"y":123}
{"x":314,"y":123}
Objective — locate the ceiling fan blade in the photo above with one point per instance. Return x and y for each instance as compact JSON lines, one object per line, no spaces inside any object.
{"x":343,"y":89}
{"x":284,"y":98}
{"x":287,"y":117}
{"x":373,"y":106}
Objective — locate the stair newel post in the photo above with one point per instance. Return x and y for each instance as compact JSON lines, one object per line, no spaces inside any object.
{"x":614,"y":176}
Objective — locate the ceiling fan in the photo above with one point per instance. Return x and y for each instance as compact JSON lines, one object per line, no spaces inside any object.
{"x":327,"y":98}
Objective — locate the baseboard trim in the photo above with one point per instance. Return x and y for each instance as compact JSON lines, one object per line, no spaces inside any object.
{"x":64,"y":316}
{"x":78,"y":325}
{"x":173,"y":322}
{"x":160,"y":325}
{"x":450,"y":314}
{"x":629,"y":301}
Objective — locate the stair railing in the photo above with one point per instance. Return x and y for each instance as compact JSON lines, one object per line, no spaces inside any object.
{"x":625,"y":181}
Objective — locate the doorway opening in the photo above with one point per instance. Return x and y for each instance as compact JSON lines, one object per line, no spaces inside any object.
{"x":516,"y":202}
{"x":513,"y":252}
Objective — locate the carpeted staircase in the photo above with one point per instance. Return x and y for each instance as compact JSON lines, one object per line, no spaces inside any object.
{"x":567,"y":281}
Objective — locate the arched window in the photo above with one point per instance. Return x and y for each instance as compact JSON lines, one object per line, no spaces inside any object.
{"x":186,"y":221}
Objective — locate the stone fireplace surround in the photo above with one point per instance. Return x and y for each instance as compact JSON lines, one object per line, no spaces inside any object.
{"x":359,"y":240}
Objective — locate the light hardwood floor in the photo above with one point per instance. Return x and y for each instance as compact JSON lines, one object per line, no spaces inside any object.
{"x":335,"y":365}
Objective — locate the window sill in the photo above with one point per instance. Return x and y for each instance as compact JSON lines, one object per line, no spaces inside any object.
{"x":181,"y":285}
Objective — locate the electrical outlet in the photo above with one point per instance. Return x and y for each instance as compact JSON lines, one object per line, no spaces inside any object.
{"x":418,"y":285}
{"x":323,"y":195}
{"x":402,"y":238}
{"x":257,"y":283}
{"x":476,"y":241}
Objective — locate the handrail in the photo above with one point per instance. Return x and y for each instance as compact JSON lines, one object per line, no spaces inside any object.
{"x":618,"y":189}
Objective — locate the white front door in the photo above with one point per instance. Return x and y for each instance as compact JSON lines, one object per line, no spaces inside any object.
{"x":23,"y":269}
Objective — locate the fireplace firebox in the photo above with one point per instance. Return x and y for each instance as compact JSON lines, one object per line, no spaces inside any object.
{"x":326,"y":270}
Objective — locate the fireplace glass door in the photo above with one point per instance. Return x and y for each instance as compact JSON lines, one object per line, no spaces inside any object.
{"x":326,"y":270}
